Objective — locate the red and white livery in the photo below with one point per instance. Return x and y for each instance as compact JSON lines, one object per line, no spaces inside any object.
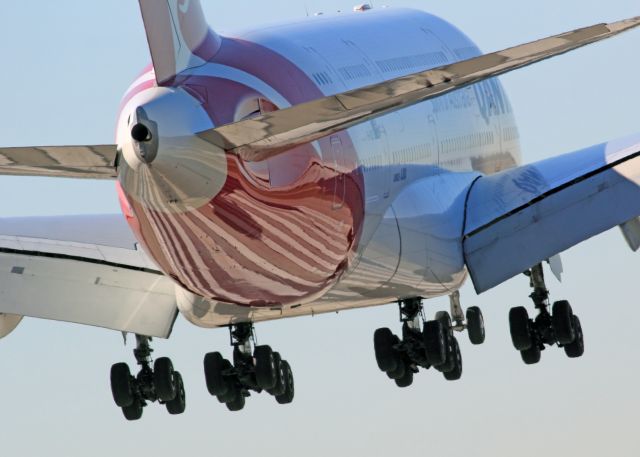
{"x":332,"y":163}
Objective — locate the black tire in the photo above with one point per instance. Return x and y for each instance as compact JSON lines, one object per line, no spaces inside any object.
{"x":475,"y":325}
{"x":231,"y":392}
{"x":386,"y":355}
{"x":266,"y":375}
{"x":237,"y":404}
{"x":133,"y":412}
{"x":406,"y":380}
{"x":122,"y":385}
{"x":179,"y":402}
{"x":520,"y":328}
{"x":456,"y":372}
{"x":562,"y":322}
{"x":164,"y":379}
{"x":450,"y":360}
{"x":531,"y":356}
{"x":399,"y":372}
{"x":279,"y":388}
{"x":214,"y":367}
{"x":576,"y":348}
{"x":289,"y":390}
{"x":445,"y":320}
{"x":435,"y":345}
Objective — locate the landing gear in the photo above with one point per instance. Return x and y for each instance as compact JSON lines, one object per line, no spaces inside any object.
{"x":258,"y":369}
{"x":162,"y":383}
{"x":433,"y":345}
{"x":560,"y":326}
{"x":474,"y":323}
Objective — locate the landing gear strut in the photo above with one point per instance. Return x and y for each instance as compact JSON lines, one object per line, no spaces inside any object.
{"x":254,"y":368}
{"x":433,"y":345}
{"x":560,"y":326}
{"x":160,"y":383}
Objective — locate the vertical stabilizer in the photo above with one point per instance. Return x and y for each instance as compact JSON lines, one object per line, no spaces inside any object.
{"x":178,"y":35}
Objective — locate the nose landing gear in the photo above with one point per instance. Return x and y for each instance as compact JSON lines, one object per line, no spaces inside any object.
{"x":160,"y":383}
{"x":560,"y":326}
{"x":258,"y":369}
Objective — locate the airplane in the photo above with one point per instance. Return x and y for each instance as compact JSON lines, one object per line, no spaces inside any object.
{"x":337,"y":162}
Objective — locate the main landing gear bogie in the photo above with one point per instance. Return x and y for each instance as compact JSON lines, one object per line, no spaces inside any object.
{"x":255,"y":369}
{"x":432,"y":344}
{"x":558,"y":326}
{"x":162,"y":383}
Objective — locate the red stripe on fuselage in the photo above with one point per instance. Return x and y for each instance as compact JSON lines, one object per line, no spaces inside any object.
{"x":249,"y":237}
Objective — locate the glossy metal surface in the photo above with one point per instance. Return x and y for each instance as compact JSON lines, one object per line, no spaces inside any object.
{"x":259,"y":138}
{"x":355,"y":219}
{"x":87,"y":162}
{"x":541,"y":209}
{"x":49,"y":287}
{"x":178,"y":35}
{"x":83,"y":269}
{"x":305,"y":168}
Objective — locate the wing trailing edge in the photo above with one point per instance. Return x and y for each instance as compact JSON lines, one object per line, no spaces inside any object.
{"x":82,"y":269}
{"x":520,"y":217}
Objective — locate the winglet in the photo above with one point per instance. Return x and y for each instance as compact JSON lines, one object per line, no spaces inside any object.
{"x":178,"y":35}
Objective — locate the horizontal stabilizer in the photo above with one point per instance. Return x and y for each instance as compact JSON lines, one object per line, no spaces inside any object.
{"x":260,"y":137}
{"x":180,"y":39}
{"x":520,"y":217}
{"x":88,"y":162}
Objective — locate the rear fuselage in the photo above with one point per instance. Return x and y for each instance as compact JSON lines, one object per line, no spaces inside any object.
{"x":328,"y":223}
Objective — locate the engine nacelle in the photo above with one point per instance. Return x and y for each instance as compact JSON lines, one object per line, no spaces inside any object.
{"x":8,"y":323}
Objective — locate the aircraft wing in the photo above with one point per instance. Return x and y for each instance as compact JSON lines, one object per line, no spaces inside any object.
{"x":258,"y":138}
{"x":83,"y":269}
{"x":88,"y":162}
{"x":522,"y":216}
{"x":264,"y":136}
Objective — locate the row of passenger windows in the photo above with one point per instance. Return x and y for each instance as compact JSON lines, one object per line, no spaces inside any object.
{"x":354,"y":72}
{"x":412,"y":154}
{"x":510,"y":133}
{"x":416,"y":154}
{"x":473,"y":140}
{"x":454,"y":163}
{"x":395,"y":64}
{"x":374,"y":162}
{"x":431,"y":59}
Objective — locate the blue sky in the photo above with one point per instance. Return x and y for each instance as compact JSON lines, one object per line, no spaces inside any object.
{"x":65,"y":67}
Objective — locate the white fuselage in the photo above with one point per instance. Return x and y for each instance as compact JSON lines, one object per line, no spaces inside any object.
{"x":414,"y":166}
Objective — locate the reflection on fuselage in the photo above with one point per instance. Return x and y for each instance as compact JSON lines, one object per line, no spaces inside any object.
{"x":360,"y":218}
